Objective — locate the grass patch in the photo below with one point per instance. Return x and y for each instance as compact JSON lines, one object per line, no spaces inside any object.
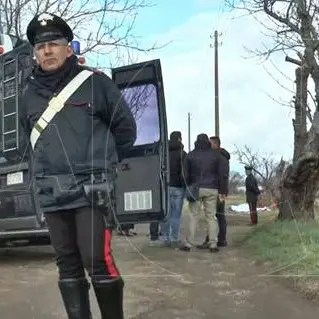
{"x":236,"y":199}
{"x":292,"y":249}
{"x":292,"y":246}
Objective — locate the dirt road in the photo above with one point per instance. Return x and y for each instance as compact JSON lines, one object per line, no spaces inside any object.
{"x":160,"y":283}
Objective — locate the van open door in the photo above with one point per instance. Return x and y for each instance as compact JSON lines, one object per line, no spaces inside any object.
{"x":142,"y":184}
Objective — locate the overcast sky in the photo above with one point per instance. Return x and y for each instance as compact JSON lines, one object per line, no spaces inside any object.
{"x":247,"y":114}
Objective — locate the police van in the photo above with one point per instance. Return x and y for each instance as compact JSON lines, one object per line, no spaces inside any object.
{"x":141,"y":189}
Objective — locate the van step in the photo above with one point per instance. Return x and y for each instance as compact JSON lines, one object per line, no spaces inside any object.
{"x":24,"y":233}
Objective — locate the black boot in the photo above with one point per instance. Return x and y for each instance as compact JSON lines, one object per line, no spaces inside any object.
{"x":75,"y":296}
{"x":109,"y":295}
{"x":254,"y":218}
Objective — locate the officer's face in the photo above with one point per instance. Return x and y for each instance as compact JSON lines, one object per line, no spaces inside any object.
{"x":52,"y":54}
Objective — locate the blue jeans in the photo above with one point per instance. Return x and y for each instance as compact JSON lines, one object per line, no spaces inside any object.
{"x":170,"y":229}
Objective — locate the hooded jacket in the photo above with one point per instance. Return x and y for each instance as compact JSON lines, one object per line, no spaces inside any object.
{"x":176,"y":163}
{"x":206,"y":167}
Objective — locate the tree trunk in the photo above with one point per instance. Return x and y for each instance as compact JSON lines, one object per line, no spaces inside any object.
{"x":299,"y":190}
{"x":300,"y":181}
{"x":300,"y":184}
{"x":290,"y":208}
{"x":300,"y":121}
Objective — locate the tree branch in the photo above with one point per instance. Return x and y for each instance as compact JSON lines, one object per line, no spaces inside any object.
{"x":113,"y":22}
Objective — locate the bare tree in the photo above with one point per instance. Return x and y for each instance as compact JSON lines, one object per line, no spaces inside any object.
{"x":293,"y":27}
{"x":140,"y":98}
{"x":102,"y":27}
{"x":264,"y":165}
{"x":277,"y":78}
{"x":235,"y":181}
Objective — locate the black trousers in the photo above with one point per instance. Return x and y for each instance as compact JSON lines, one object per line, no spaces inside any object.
{"x":221,"y":219}
{"x":154,"y":230}
{"x":81,"y":241}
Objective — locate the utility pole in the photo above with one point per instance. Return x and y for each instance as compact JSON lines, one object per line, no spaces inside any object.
{"x":217,"y":128}
{"x":216,"y":86}
{"x":189,"y":132}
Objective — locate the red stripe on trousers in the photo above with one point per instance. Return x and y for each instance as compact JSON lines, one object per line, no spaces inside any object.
{"x":108,"y":258}
{"x":250,"y":211}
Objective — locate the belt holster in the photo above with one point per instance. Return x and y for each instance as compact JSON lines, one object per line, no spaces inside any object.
{"x":100,"y":194}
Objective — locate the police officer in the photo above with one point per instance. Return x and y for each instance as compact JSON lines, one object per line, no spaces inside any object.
{"x":81,"y":144}
{"x":252,"y":193}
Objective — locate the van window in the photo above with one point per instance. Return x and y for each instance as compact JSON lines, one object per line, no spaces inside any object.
{"x":142,"y":100}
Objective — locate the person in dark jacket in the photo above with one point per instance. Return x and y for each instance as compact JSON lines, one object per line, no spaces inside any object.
{"x":206,"y":177}
{"x":252,"y":193}
{"x":170,"y":229}
{"x":82,"y":144}
{"x":220,"y":208}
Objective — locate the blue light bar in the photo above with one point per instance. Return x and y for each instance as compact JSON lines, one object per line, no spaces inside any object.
{"x":76,"y":47}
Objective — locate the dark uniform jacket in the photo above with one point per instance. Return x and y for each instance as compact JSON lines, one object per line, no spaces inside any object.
{"x":90,"y":134}
{"x":206,"y":168}
{"x":252,"y":190}
{"x":225,"y":160}
{"x":176,"y":164}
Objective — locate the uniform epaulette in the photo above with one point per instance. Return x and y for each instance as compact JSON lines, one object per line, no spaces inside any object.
{"x":94,"y":70}
{"x":98,"y":71}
